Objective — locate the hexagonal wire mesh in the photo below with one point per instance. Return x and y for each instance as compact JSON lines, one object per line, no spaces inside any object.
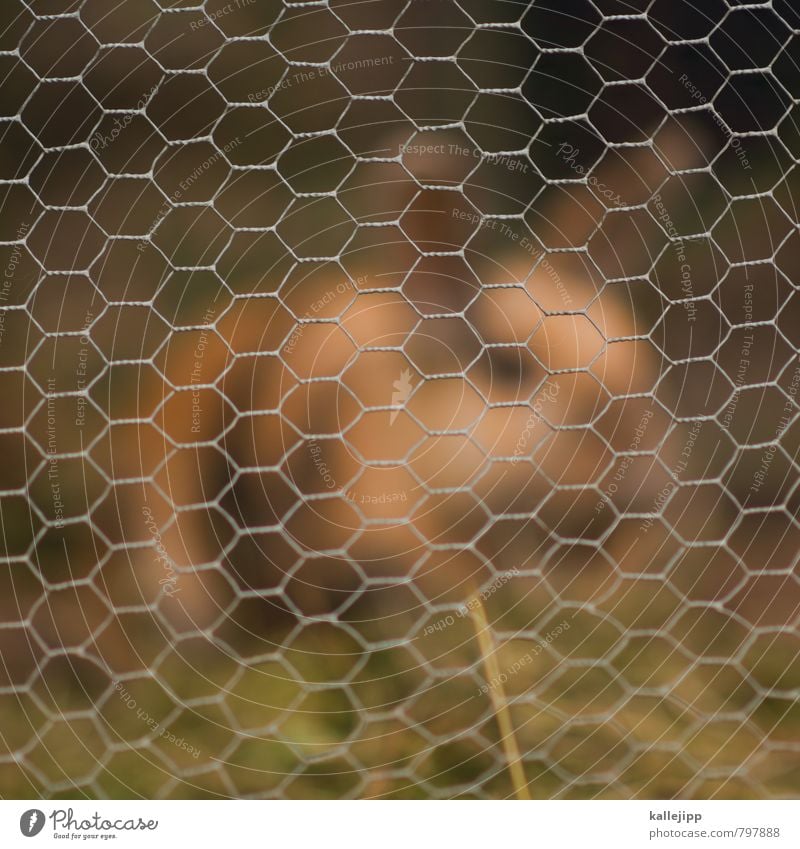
{"x":327,"y":327}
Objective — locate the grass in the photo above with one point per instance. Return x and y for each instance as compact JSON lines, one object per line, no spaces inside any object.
{"x":601,"y":713}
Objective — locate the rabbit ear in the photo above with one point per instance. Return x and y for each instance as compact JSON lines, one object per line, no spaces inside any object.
{"x":623,"y":177}
{"x":638,"y":176}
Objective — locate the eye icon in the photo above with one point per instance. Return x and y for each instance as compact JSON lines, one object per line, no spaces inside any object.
{"x":31,"y":822}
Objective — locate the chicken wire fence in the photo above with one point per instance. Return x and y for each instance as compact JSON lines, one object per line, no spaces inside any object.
{"x":380,"y":375}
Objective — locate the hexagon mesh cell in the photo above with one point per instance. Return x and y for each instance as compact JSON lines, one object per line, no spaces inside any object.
{"x":376,"y":370}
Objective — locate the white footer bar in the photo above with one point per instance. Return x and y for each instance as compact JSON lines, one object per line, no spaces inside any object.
{"x":401,"y":825}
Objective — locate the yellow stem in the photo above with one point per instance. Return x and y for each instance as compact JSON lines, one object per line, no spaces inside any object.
{"x":498,"y":697}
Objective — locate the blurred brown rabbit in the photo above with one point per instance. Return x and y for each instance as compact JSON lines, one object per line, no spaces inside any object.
{"x":406,"y":409}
